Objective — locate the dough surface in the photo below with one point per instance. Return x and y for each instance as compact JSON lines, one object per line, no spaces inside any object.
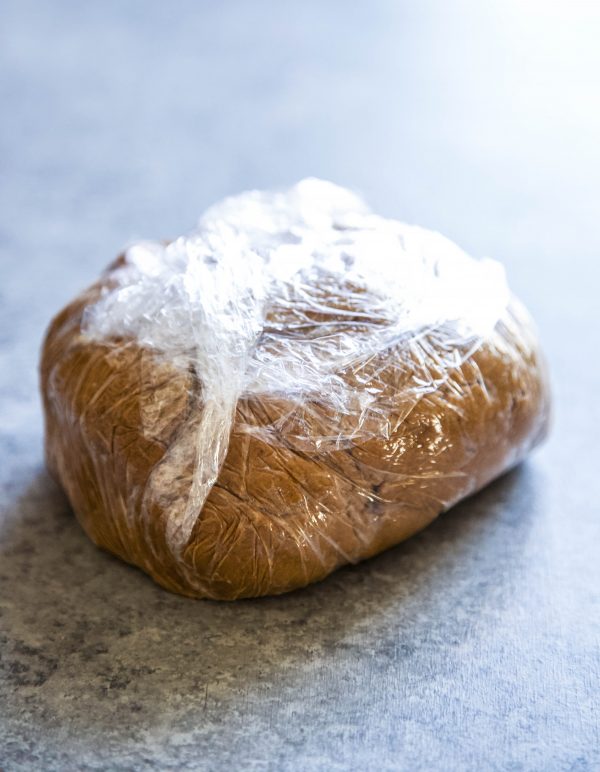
{"x":302,"y":486}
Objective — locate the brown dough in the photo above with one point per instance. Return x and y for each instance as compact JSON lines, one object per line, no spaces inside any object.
{"x":119,"y":438}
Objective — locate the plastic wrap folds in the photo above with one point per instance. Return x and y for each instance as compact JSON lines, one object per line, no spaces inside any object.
{"x":295,"y":385}
{"x":298,"y":294}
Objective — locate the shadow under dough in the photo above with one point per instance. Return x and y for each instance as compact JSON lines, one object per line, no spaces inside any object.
{"x":92,"y":644}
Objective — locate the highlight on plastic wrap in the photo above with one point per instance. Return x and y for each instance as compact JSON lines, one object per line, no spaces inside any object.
{"x":307,"y":383}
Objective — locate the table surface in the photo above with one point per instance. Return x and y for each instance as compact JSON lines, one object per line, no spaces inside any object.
{"x":474,"y":645}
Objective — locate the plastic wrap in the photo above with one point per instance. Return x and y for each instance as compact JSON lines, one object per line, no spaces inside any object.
{"x":298,"y":328}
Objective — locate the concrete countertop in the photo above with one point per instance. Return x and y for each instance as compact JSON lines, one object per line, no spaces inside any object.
{"x":475,"y":644}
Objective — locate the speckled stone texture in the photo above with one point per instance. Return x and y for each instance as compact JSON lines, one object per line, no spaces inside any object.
{"x":473,"y":646}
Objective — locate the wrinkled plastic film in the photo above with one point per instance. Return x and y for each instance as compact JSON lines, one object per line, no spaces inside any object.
{"x":305,"y":297}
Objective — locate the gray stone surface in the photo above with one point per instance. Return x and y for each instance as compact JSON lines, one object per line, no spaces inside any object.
{"x":475,"y":644}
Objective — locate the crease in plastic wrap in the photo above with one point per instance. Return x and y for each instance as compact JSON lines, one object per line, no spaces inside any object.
{"x":312,"y":325}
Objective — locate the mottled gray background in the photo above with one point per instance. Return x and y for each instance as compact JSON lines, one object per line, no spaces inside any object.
{"x":475,"y":645}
